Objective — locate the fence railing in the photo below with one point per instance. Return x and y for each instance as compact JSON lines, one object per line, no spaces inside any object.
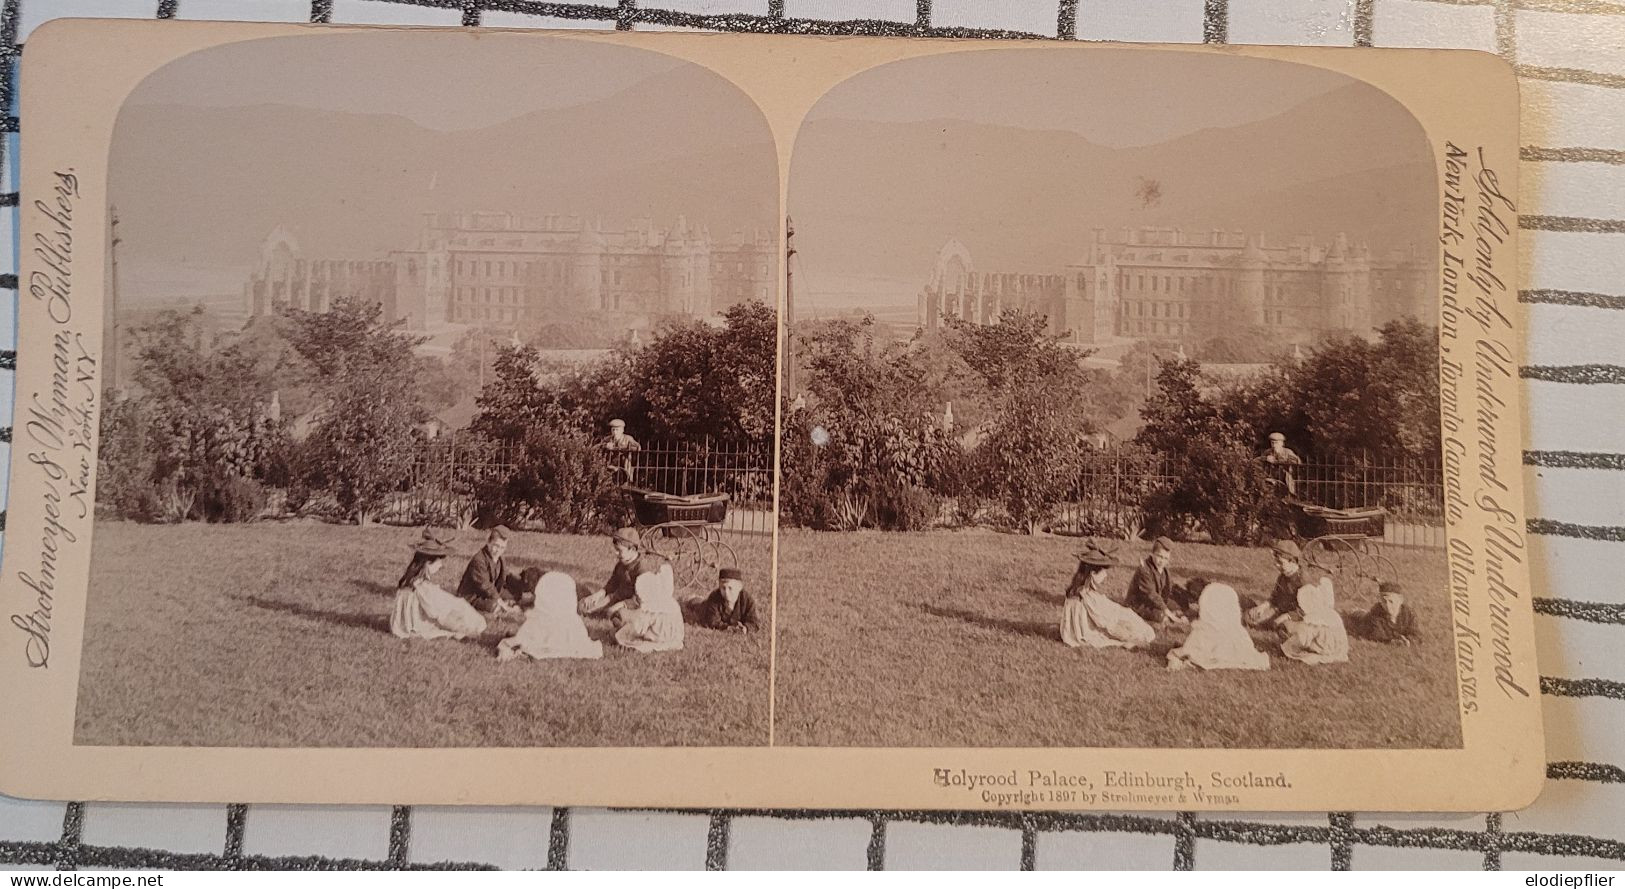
{"x":445,"y":475}
{"x":1110,"y":494}
{"x":1114,"y":487}
{"x":686,"y":467}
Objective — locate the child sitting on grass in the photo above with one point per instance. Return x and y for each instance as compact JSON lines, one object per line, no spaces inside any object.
{"x":1316,"y":634}
{"x":1218,"y":640}
{"x":652,"y":620}
{"x":1390,"y":620}
{"x":730,"y":607}
{"x":552,"y":627}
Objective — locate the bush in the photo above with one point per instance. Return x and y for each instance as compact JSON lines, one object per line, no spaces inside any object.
{"x":804,"y":496}
{"x":560,"y":482}
{"x":223,"y":497}
{"x":1217,"y":487}
{"x":140,"y":501}
{"x":1029,"y":463}
{"x":903,"y":507}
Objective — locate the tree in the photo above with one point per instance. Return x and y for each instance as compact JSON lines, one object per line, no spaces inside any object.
{"x":1044,"y":404}
{"x":700,"y":380}
{"x":1031,"y":459}
{"x":1352,"y":397}
{"x":879,"y":449}
{"x":195,"y":440}
{"x":690,"y":380}
{"x":1216,"y":484}
{"x":364,"y":375}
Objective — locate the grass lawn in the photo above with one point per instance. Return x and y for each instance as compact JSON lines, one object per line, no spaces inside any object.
{"x":273,"y":634}
{"x":952,"y":638}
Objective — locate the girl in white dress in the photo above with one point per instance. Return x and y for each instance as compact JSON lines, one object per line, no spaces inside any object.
{"x":654,"y":622}
{"x":1319,"y":638}
{"x":1218,"y":641}
{"x":422,"y":609}
{"x":1090,"y":617}
{"x":553,"y":628}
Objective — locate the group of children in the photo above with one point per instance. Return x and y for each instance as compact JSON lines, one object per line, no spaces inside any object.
{"x":638,"y":599}
{"x":1300,"y":608}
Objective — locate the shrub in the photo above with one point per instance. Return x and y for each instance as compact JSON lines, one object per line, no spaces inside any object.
{"x":559,"y":482}
{"x":903,"y":507}
{"x":175,"y":502}
{"x":1218,"y":487}
{"x":804,"y":495}
{"x":222,"y":497}
{"x":140,"y":501}
{"x":1029,"y":462}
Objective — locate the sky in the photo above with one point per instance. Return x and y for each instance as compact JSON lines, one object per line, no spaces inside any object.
{"x":1120,"y":99}
{"x":1018,"y":152}
{"x":453,"y":87}
{"x":346,"y":139}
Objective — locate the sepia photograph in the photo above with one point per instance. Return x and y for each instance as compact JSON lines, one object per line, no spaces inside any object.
{"x":925,"y":425}
{"x":1112,"y":410}
{"x":439,"y":409}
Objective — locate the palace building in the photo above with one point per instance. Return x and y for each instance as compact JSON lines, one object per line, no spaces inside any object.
{"x":1165,"y":283}
{"x":509,"y":270}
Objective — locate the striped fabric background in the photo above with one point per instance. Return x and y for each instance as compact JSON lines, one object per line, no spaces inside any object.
{"x":1570,"y":55}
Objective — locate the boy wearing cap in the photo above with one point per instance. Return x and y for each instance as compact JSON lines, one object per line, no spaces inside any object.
{"x":729,"y":607}
{"x":1390,"y":620}
{"x":1151,"y":594}
{"x":622,"y":586}
{"x":1281,"y":459}
{"x":487,"y":584}
{"x":1283,"y":599}
{"x":618,"y":445}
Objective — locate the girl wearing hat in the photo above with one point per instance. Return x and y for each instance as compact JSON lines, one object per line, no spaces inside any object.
{"x":422,"y":609}
{"x":1090,"y":617}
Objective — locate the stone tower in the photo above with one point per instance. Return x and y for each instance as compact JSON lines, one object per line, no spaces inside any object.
{"x":1346,"y":288}
{"x":1247,"y":304}
{"x":586,"y":272}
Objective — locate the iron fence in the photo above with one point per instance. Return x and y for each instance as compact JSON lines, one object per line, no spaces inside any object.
{"x":689,"y":466}
{"x":1412,"y":491}
{"x":1111,"y":491}
{"x":445,"y":476}
{"x":1114,"y":487}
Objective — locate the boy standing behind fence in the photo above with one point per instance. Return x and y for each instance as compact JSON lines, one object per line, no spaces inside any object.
{"x":618,"y":447}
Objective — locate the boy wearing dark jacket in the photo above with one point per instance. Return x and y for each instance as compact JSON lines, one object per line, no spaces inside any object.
{"x":729,"y":607}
